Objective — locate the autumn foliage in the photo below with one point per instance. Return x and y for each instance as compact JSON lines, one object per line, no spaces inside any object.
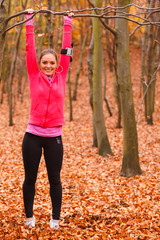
{"x":97,"y":202}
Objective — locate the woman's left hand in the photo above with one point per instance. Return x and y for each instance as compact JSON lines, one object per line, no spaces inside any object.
{"x":70,"y":15}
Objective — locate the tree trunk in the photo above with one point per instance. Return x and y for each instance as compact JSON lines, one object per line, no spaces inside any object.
{"x":80,"y":65}
{"x":105,"y":83}
{"x":12,"y":71}
{"x":4,"y":72}
{"x":42,"y":36}
{"x":143,"y":60}
{"x":117,"y":94}
{"x":11,"y":78}
{"x":150,"y":69}
{"x":102,"y":138}
{"x":108,"y":44}
{"x":3,"y":16}
{"x":116,"y":84}
{"x":70,"y":93}
{"x":49,"y":24}
{"x":90,"y":77}
{"x":130,"y":163}
{"x":158,"y":36}
{"x":20,"y":70}
{"x":58,"y":27}
{"x":23,"y":86}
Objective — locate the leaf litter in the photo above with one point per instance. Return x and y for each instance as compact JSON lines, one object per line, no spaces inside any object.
{"x":97,"y":202}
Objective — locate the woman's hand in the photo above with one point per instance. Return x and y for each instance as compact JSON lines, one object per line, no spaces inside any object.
{"x":69,"y":15}
{"x":30,"y":11}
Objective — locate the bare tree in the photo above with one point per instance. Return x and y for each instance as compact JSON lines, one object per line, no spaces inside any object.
{"x":130,"y":163}
{"x":12,"y":71}
{"x":90,"y":77}
{"x":3,"y":24}
{"x":80,"y":65}
{"x":150,"y":63}
{"x":49,"y":23}
{"x":102,"y":138}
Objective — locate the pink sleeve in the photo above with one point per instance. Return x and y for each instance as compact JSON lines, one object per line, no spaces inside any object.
{"x":66,"y":43}
{"x":31,"y":58}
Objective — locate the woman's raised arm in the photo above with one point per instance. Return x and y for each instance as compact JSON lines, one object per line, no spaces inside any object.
{"x":66,"y":43}
{"x":31,"y":58}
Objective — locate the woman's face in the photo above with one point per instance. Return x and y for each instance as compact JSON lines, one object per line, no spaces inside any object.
{"x":48,"y":64}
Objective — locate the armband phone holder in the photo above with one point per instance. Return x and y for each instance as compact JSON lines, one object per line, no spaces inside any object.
{"x":68,"y":52}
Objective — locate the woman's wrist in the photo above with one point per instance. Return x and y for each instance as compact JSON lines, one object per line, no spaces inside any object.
{"x":29,"y":22}
{"x":28,"y":15}
{"x":68,"y":20}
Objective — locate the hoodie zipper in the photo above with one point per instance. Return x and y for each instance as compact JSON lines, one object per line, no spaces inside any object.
{"x":44,"y":125}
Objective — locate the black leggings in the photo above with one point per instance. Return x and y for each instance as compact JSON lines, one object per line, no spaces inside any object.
{"x":53,"y":154}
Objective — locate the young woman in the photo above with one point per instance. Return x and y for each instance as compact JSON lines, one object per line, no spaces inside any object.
{"x":44,"y":130}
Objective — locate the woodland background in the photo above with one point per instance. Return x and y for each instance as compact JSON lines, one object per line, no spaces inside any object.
{"x":98,"y":203}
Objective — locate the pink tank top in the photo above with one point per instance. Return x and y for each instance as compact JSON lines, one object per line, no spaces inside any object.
{"x":44,"y":132}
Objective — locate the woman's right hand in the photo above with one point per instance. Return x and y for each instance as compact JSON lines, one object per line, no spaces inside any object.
{"x":30,"y":11}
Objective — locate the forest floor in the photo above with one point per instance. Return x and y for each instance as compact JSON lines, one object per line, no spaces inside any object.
{"x":97,"y":202}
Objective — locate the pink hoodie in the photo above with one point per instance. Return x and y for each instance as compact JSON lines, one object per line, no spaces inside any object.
{"x":47,"y":101}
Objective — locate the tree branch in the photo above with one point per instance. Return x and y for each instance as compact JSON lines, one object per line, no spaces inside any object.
{"x":100,"y":16}
{"x":146,"y":19}
{"x":135,"y":5}
{"x":1,"y":4}
{"x":87,"y":9}
{"x":104,"y":24}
